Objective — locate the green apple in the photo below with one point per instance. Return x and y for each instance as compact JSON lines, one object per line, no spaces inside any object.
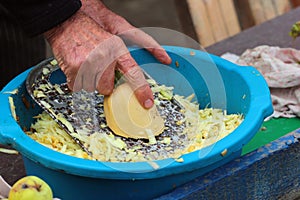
{"x":29,"y":188}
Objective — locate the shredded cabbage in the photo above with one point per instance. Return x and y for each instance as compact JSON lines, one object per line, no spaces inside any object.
{"x":203,"y":127}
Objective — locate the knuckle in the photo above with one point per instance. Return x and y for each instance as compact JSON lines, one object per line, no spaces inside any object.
{"x":135,"y":77}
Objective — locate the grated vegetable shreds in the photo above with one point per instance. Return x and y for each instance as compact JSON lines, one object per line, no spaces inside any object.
{"x":12,"y":108}
{"x":202,"y":128}
{"x":48,"y":133}
{"x":8,"y":151}
{"x":15,"y":91}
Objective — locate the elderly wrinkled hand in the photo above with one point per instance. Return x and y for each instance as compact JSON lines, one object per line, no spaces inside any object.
{"x":117,"y":25}
{"x":89,"y":48}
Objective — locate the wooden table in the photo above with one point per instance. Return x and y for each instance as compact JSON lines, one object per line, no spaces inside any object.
{"x":274,"y":32}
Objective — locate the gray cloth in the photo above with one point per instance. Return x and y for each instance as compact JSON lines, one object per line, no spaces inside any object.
{"x":281,"y":69}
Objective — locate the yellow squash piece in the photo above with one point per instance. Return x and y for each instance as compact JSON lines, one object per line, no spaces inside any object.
{"x":127,"y":118}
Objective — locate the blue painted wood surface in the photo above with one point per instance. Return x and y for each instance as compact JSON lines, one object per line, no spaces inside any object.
{"x":270,"y":172}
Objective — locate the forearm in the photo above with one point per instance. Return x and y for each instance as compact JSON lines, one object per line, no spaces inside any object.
{"x":38,"y":16}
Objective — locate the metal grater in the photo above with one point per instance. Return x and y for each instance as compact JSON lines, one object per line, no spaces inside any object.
{"x":82,"y":112}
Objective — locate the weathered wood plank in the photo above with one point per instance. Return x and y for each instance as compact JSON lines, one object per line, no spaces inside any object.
{"x":229,"y":15}
{"x":201,"y":22}
{"x":216,"y":19}
{"x":244,"y":13}
{"x":268,"y":8}
{"x":186,"y":21}
{"x":257,"y":11}
{"x":282,"y":6}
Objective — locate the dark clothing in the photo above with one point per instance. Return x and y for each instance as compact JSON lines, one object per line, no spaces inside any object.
{"x":21,"y":23}
{"x":38,"y":16}
{"x":17,"y":51}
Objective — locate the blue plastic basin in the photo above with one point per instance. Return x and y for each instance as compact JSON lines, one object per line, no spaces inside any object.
{"x":245,"y":91}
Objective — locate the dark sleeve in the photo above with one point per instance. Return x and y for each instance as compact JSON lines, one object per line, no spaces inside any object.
{"x":38,"y":16}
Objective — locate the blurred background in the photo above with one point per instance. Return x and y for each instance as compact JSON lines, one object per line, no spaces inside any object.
{"x":205,"y":21}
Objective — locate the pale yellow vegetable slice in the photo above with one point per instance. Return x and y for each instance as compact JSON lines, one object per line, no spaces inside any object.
{"x":127,"y":118}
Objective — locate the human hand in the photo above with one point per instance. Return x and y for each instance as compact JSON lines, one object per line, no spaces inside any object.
{"x":89,"y":56}
{"x":117,"y":25}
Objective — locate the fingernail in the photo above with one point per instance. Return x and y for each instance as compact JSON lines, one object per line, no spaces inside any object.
{"x":148,"y":103}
